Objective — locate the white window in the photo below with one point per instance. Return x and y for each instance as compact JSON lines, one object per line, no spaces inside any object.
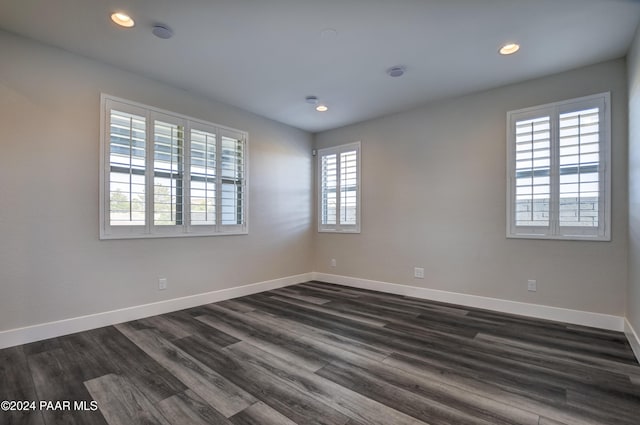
{"x":559,"y":176}
{"x":339,"y":189}
{"x":165,"y":174}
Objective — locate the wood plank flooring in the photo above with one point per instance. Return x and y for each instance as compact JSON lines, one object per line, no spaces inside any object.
{"x":325,"y":354}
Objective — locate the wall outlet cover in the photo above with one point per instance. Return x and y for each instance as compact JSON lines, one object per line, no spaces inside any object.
{"x":162,"y":283}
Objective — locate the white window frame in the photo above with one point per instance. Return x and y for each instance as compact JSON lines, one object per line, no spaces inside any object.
{"x":149,"y":229}
{"x":339,"y":227}
{"x":554,"y":230}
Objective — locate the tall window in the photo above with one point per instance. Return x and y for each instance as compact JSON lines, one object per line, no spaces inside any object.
{"x":339,"y":188}
{"x":558,"y":170}
{"x":169,"y":175}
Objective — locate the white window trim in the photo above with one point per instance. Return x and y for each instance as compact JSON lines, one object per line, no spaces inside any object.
{"x":554,"y":231}
{"x":339,"y":228}
{"x":149,"y":230}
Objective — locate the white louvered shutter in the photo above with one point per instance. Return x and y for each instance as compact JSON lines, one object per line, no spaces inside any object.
{"x":328,"y":189}
{"x":168,"y":172}
{"x":348,"y":187}
{"x":532,"y":171}
{"x":127,"y":165}
{"x":580,"y":168}
{"x":232,"y":180}
{"x":203,"y":182}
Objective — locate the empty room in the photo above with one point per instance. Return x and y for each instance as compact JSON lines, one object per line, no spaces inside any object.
{"x":355,"y":212}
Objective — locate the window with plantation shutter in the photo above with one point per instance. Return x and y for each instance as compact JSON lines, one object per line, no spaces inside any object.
{"x":558,"y":170}
{"x":339,"y":188}
{"x":165,"y":174}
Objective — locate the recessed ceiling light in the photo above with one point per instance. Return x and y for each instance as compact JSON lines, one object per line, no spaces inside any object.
{"x":322,"y":108}
{"x":122,"y":19}
{"x":509,"y":49}
{"x":396,"y":71}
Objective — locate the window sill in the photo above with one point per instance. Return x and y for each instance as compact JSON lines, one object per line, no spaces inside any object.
{"x":356,"y":231}
{"x":175,"y":235}
{"x":590,"y":238}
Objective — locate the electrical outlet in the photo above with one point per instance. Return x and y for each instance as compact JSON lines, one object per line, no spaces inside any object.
{"x":333,"y":262}
{"x":162,"y":283}
{"x":418,"y":272}
{"x":532,"y":285}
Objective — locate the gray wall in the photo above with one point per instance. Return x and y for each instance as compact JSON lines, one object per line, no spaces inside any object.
{"x":434,"y":196}
{"x":52,"y":265}
{"x":633,"y":291}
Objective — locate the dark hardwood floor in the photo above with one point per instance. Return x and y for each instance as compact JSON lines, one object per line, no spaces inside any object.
{"x":324,"y":354}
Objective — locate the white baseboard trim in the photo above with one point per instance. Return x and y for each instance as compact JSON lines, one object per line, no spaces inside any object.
{"x":633,"y":338}
{"x":25,"y":335}
{"x":577,"y":317}
{"x":13,"y":337}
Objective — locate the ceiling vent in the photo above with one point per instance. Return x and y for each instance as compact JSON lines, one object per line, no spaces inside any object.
{"x":162,"y":31}
{"x":396,"y":71}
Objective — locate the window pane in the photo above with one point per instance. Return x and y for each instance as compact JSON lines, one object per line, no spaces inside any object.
{"x":231,"y":203}
{"x":579,"y":167}
{"x":127,"y":169}
{"x":328,"y":187}
{"x":167,"y":173}
{"x":203,"y":178}
{"x":532,"y":172}
{"x":232,"y":175}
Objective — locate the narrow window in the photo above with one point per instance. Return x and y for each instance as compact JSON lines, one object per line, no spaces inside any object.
{"x":339,"y":188}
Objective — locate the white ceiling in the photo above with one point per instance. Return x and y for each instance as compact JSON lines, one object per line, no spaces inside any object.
{"x":265,"y":56}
